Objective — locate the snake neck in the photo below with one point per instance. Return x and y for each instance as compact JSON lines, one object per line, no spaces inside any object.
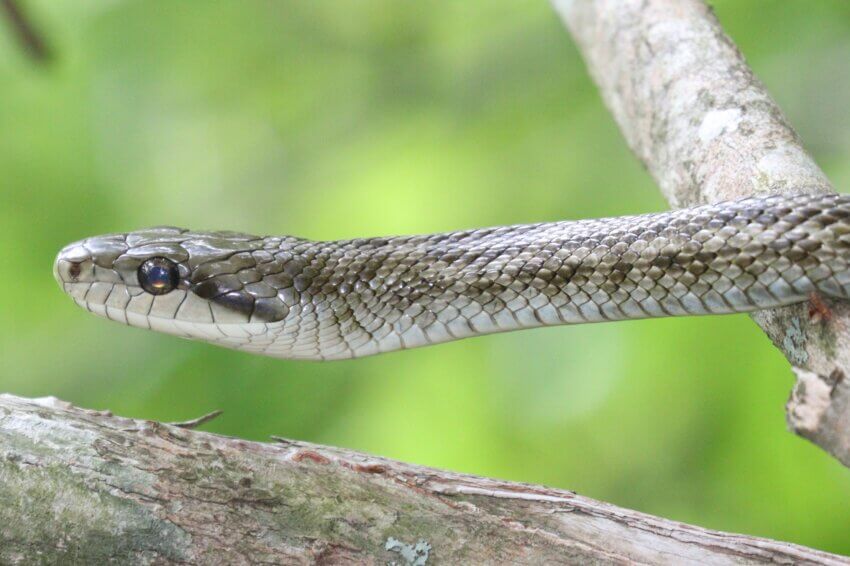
{"x":360,"y":297}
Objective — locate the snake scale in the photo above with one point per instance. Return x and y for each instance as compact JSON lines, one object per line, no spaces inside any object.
{"x":295,"y":298}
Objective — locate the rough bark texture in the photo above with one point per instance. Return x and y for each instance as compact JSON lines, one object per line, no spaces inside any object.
{"x":704,"y":126}
{"x":86,"y":487}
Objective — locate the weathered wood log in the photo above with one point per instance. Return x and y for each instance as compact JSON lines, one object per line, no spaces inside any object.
{"x":87,"y":487}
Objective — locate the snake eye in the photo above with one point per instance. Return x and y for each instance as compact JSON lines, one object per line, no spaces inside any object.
{"x":158,"y":275}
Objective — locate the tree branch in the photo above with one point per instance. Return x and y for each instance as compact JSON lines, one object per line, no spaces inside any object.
{"x":88,"y":487}
{"x":30,"y":40}
{"x":706,"y":129}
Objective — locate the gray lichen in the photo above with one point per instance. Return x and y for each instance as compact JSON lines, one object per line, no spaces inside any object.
{"x":794,"y":342}
{"x":413,"y":555}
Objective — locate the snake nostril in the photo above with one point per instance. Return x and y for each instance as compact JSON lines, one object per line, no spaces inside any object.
{"x":74,"y":270}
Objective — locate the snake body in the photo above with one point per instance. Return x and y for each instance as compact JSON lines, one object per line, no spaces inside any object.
{"x":295,"y":298}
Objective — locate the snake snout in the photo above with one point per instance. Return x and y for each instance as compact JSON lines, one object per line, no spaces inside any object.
{"x":73,"y":265}
{"x":87,"y":264}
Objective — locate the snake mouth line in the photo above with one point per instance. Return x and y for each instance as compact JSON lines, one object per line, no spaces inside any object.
{"x":224,"y":333}
{"x":247,"y":337}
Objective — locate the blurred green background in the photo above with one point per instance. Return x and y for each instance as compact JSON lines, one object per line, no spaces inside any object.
{"x":345,"y":119}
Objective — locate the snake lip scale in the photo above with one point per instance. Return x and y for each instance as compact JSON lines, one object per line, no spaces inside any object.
{"x":290,"y":297}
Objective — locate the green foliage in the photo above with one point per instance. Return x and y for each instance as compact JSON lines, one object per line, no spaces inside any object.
{"x":331,"y":120}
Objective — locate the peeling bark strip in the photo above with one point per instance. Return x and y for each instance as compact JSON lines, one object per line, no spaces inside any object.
{"x":706,"y":129}
{"x":87,"y":487}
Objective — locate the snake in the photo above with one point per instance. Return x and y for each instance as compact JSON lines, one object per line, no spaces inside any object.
{"x":295,"y":298}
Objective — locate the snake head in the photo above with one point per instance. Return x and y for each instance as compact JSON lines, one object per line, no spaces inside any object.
{"x":208,"y":286}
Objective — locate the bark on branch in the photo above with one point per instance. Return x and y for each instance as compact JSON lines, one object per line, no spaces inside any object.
{"x":87,"y":487}
{"x":706,"y":129}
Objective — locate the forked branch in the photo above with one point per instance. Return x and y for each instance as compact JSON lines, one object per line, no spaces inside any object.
{"x":707,"y":130}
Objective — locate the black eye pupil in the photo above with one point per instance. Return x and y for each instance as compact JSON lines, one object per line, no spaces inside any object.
{"x":158,"y":275}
